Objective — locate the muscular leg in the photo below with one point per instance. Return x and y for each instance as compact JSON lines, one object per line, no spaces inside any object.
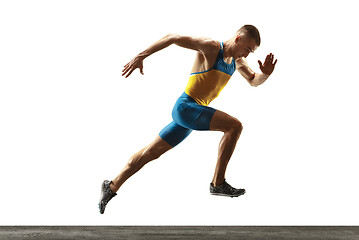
{"x":153,"y":151}
{"x":232,"y":129}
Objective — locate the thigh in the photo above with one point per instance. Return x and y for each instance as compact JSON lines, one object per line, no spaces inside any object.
{"x":174,"y":134}
{"x":191,"y":115}
{"x":222,"y":121}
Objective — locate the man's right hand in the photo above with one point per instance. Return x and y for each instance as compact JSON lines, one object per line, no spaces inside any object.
{"x":136,"y":62}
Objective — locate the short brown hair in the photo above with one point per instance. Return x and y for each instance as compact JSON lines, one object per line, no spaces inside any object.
{"x":252,"y":32}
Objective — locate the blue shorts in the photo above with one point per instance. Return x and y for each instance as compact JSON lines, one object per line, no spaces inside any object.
{"x":187,"y":115}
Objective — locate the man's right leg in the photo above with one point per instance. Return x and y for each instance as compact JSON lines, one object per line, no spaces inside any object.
{"x":153,"y":151}
{"x":168,"y":138}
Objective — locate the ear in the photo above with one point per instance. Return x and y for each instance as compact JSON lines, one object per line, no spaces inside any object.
{"x":237,"y":38}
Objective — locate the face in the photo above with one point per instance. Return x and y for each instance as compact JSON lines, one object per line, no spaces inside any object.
{"x":243,"y":46}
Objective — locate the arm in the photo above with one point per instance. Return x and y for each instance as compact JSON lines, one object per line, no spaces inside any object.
{"x":203,"y":45}
{"x":256,"y":79}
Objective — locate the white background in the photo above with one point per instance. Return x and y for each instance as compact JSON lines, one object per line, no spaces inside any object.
{"x":68,"y":120}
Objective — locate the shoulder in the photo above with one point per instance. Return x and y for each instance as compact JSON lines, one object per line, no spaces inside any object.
{"x":202,"y":44}
{"x":210,"y":42}
{"x":209,"y":48}
{"x":212,"y":45}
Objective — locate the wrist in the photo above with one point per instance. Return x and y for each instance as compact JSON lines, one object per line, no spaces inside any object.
{"x":264,"y":75}
{"x":143,"y":55}
{"x":260,"y":76}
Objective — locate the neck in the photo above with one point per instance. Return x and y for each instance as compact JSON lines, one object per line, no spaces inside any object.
{"x":227,"y":48}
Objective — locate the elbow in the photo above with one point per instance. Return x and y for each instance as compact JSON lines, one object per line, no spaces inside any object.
{"x":172,"y":38}
{"x":253,"y":84}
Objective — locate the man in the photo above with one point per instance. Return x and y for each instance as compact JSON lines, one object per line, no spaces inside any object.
{"x":214,"y":65}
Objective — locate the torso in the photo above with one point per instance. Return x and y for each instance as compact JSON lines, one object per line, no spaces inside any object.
{"x":209,"y":76}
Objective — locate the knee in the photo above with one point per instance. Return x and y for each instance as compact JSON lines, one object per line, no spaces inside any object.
{"x":236,"y":126}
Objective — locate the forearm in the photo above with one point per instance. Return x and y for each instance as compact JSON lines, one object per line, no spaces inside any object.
{"x":254,"y":79}
{"x":159,"y":45}
{"x":258,"y":79}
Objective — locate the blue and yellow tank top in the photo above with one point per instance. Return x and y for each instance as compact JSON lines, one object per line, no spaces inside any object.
{"x":205,"y":86}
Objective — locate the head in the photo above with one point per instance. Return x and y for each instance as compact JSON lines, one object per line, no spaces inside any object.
{"x":246,"y":40}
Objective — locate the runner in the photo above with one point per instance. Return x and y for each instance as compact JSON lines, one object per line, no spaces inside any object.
{"x":213,"y":67}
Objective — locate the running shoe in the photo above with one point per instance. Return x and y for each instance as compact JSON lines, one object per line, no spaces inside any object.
{"x":226,"y":190}
{"x":106,"y":195}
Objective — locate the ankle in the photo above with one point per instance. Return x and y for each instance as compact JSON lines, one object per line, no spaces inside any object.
{"x":112,"y":187}
{"x":217,"y":183}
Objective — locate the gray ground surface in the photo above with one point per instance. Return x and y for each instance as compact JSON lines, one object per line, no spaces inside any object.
{"x":177,"y":232}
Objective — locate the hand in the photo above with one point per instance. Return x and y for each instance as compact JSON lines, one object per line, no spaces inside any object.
{"x":268,"y":66}
{"x":136,"y":62}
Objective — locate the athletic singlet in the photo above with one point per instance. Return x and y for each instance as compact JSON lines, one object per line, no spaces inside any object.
{"x":205,"y":86}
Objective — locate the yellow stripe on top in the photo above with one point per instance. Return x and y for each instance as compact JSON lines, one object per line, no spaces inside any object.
{"x":205,"y":86}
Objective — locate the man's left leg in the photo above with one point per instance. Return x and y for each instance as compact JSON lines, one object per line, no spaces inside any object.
{"x":232,"y":128}
{"x":191,"y":115}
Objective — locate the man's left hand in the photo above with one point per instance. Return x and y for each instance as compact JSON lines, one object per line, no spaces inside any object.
{"x":268,"y":66}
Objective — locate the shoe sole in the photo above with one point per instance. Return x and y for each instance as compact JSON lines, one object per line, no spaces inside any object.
{"x":226,"y":195}
{"x":102,"y":193}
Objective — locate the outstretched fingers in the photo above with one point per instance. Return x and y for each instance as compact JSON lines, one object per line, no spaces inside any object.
{"x":128,"y":71}
{"x":124,"y":70}
{"x":260,"y":63}
{"x":270,"y":58}
{"x":126,"y":65}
